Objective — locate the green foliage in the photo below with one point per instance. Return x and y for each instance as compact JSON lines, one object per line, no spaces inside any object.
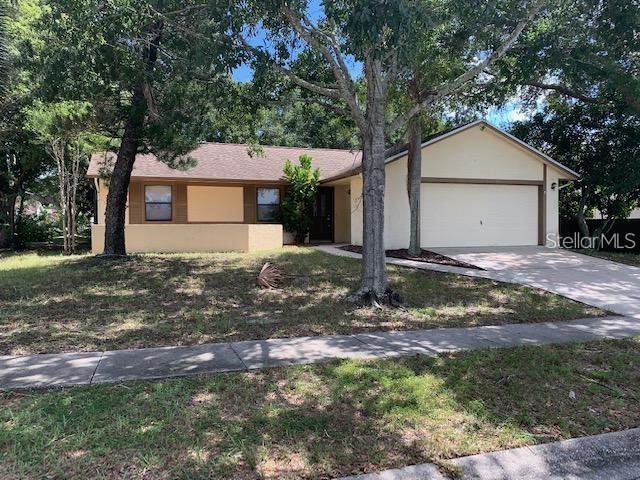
{"x":297,"y":205}
{"x":4,"y":54}
{"x":586,"y":48}
{"x":36,"y":228}
{"x":298,"y":124}
{"x":67,"y":121}
{"x":599,"y":142}
{"x":96,"y":52}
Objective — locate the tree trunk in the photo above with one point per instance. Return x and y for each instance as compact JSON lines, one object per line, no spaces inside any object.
{"x":374,"y":276}
{"x":15,"y":244}
{"x":58,"y":152}
{"x":114,"y":243}
{"x":75,"y":173}
{"x":20,"y":214}
{"x":414,"y":171}
{"x":583,"y":226}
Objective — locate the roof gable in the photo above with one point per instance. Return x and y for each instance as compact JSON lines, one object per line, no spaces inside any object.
{"x":570,"y":174}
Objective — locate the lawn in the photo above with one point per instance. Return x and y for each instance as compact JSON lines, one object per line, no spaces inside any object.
{"x":52,"y":303}
{"x":626,"y":258}
{"x":322,"y":421}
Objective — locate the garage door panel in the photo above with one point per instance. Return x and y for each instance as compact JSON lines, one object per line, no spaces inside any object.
{"x":466,"y":215}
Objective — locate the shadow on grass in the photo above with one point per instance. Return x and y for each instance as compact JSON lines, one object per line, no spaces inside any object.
{"x":87,"y":303}
{"x":324,"y":421}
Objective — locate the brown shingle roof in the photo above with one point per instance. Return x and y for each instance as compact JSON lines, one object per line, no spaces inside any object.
{"x":232,"y":162}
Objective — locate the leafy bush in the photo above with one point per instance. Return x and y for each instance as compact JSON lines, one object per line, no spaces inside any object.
{"x":5,"y":236}
{"x":36,"y":228}
{"x":297,"y":205}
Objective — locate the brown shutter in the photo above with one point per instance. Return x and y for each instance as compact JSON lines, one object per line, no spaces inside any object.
{"x":180,"y":202}
{"x":250,"y":204}
{"x":136,"y":202}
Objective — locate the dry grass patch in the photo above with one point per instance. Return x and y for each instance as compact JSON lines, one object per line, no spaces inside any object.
{"x":53,"y":303}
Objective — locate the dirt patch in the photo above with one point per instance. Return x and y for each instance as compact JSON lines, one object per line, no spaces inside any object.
{"x":425,"y":256}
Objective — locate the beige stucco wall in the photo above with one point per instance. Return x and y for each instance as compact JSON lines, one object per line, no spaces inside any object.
{"x":553,"y":207}
{"x":477,"y":153}
{"x":264,"y":237}
{"x":342,"y":213}
{"x":215,"y":204}
{"x":101,"y":201}
{"x":194,"y":237}
{"x":396,"y":208}
{"x":356,"y":209}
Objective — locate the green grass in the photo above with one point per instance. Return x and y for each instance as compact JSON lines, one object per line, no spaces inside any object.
{"x":626,"y":258}
{"x":52,"y":303}
{"x":322,"y":421}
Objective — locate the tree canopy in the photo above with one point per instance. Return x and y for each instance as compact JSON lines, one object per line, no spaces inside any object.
{"x":601,"y":143}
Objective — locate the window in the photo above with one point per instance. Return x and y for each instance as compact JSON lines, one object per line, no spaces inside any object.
{"x":157,"y":202}
{"x":268,"y":204}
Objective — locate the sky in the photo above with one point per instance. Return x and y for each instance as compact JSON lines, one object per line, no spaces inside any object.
{"x":244,"y":73}
{"x":505,"y":115}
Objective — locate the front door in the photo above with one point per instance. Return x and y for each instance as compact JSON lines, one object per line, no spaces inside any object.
{"x":322,"y":228}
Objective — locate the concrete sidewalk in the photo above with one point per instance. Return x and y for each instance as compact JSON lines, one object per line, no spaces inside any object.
{"x":67,"y":369}
{"x":610,"y":455}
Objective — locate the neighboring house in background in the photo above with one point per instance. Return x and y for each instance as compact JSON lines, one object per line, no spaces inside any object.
{"x":35,"y":206}
{"x":634,"y":215}
{"x":480,"y":187}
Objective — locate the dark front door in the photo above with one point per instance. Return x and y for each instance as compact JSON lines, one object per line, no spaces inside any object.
{"x":322,"y":228}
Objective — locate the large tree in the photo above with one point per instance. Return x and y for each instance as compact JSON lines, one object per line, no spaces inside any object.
{"x":441,"y":54}
{"x":64,"y":129}
{"x":601,"y":143}
{"x":378,"y":35}
{"x":22,"y":160}
{"x":152,"y":69}
{"x":589,"y":50}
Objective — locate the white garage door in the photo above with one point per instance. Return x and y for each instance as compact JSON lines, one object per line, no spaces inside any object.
{"x":469,"y":215}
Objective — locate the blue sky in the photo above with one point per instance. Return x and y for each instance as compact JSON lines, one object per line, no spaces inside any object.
{"x":244,"y":72}
{"x":508,"y":113}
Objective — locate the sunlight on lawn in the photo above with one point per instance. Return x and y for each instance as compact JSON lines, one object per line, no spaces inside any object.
{"x":324,"y":421}
{"x":178,"y":299}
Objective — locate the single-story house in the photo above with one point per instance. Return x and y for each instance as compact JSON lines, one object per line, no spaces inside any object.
{"x":480,"y":187}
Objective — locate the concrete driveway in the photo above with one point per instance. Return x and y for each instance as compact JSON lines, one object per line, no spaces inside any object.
{"x":600,"y":283}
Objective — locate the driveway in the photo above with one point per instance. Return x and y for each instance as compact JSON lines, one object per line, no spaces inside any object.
{"x":600,"y":283}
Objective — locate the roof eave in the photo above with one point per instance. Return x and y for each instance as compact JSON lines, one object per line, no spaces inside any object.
{"x":341,"y":176}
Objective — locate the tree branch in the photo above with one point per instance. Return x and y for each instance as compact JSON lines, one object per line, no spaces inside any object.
{"x":457,"y":83}
{"x":330,"y":106}
{"x":307,"y":85}
{"x":332,"y":56}
{"x":563,"y":89}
